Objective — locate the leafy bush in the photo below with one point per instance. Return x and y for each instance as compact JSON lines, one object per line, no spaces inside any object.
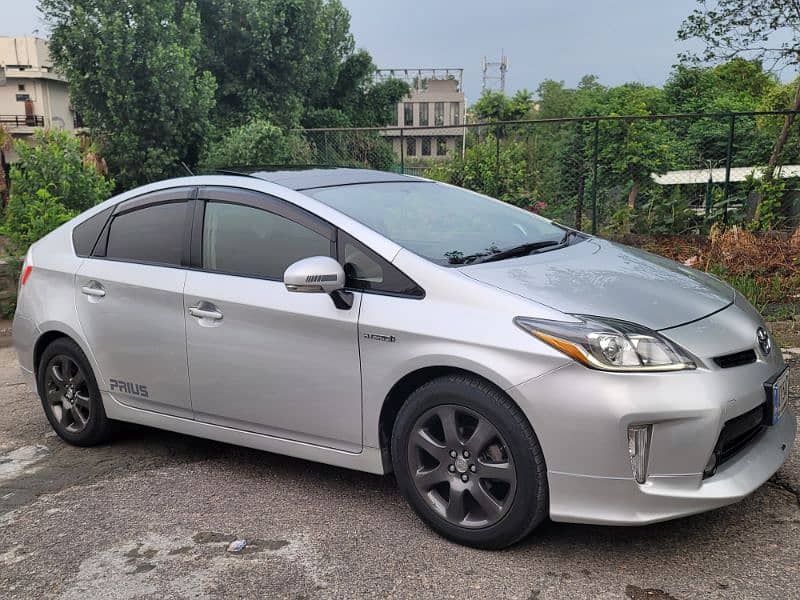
{"x":257,"y":143}
{"x":770,"y":193}
{"x":53,"y":181}
{"x":478,"y":170}
{"x":29,"y":219}
{"x":55,"y":162}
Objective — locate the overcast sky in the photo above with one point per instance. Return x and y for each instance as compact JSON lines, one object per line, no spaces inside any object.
{"x":618,"y":40}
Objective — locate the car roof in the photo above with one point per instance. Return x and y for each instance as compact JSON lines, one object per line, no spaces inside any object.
{"x":307,"y":179}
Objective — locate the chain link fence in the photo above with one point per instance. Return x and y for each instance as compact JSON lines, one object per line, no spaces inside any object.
{"x":648,"y":174}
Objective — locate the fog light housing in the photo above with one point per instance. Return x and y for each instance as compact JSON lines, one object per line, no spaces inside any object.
{"x":711,"y":466}
{"x":639,"y":449}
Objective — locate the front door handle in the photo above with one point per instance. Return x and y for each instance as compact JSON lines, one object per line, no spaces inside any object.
{"x":205,"y":311}
{"x":93,"y":289}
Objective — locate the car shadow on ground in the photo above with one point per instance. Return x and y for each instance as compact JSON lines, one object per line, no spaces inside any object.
{"x":698,"y":531}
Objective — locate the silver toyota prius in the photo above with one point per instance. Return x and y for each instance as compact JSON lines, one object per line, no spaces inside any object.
{"x":505,"y":368}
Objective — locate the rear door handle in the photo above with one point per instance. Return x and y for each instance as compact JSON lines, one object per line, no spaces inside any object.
{"x":93,"y":289}
{"x":208,"y":311}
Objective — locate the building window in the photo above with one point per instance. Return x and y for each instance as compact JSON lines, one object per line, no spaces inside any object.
{"x":393,"y":118}
{"x":411,"y":147}
{"x":438,"y":114}
{"x":441,"y":146}
{"x":408,"y":113}
{"x":423,"y":114}
{"x":455,"y":113}
{"x":426,"y":146}
{"x":21,"y":87}
{"x":23,"y":97}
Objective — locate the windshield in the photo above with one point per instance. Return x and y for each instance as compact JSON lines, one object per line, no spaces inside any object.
{"x":447,"y":225}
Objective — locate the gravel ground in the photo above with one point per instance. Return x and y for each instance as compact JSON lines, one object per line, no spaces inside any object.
{"x":151,"y":515}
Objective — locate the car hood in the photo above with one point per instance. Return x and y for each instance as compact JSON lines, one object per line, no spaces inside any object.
{"x":597,"y":277}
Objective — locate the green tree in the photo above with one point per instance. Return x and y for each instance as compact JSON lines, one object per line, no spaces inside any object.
{"x":272,"y":58}
{"x":560,"y":154}
{"x":634,"y":149}
{"x":736,"y":86}
{"x":257,"y":143}
{"x":356,"y":99}
{"x":133,"y":75}
{"x":496,"y":106}
{"x":765,"y":30}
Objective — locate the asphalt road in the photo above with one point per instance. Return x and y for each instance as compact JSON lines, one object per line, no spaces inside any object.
{"x":151,"y":515}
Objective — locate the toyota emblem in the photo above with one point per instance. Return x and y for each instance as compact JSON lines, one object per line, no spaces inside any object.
{"x":763,"y":340}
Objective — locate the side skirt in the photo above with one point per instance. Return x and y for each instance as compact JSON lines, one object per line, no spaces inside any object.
{"x":370,"y":460}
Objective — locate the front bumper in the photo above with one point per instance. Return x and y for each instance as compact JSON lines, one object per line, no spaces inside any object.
{"x":581,"y":418}
{"x":621,"y":501}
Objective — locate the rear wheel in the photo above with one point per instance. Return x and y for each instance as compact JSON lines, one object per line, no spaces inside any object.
{"x":469,"y":463}
{"x":70,"y":396}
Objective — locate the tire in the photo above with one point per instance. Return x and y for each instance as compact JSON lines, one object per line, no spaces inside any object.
{"x":65,"y":379}
{"x":498,"y":493}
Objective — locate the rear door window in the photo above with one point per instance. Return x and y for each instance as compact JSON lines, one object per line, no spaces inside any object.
{"x":153,"y":234}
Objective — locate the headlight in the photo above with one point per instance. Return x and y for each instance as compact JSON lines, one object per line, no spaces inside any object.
{"x":609,"y":344}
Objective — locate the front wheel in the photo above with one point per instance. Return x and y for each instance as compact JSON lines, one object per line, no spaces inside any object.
{"x":469,"y":463}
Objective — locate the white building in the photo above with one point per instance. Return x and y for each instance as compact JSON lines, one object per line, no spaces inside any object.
{"x":32,"y":94}
{"x":437,"y":101}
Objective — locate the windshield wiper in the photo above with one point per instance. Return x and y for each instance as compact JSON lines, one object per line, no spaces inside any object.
{"x":521,"y":250}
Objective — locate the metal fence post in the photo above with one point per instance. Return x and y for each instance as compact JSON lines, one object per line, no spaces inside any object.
{"x":595,"y":150}
{"x":497,"y":163}
{"x":402,"y":153}
{"x":728,"y":159}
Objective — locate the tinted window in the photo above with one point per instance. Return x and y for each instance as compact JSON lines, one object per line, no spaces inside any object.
{"x":365,"y":270}
{"x":445,"y":224}
{"x":85,"y":235}
{"x":248,"y":241}
{"x":154,"y":234}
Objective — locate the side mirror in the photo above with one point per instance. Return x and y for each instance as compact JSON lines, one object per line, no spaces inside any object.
{"x":318,"y":275}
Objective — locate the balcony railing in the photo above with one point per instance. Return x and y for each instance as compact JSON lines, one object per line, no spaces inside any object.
{"x":22,"y":120}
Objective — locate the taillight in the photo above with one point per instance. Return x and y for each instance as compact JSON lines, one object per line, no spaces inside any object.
{"x":26,"y":272}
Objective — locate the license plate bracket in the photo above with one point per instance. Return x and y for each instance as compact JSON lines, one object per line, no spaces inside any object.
{"x":777,"y":390}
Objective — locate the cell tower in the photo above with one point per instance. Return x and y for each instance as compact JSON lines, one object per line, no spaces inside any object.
{"x":494,"y":73}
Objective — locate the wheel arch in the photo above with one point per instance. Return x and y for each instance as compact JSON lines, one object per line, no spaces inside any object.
{"x":42,"y":342}
{"x":50,"y":332}
{"x":405,"y":386}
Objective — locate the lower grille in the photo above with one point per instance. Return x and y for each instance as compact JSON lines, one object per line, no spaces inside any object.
{"x":736,"y":434}
{"x":737,"y":359}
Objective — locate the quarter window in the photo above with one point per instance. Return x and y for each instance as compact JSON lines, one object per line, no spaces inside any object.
{"x":367,"y":271}
{"x":154,"y":234}
{"x":242,"y":240}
